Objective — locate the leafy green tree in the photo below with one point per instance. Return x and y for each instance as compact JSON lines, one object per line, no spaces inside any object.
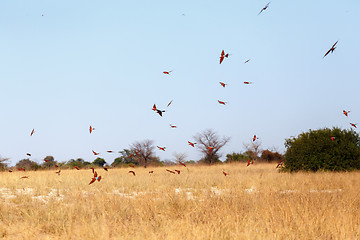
{"x":49,"y":161}
{"x":99,"y":162}
{"x":324,"y":149}
{"x":269,"y":156}
{"x":236,"y":157}
{"x":79,"y":162}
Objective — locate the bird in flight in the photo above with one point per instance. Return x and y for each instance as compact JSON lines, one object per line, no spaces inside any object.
{"x":132,"y":172}
{"x":211,"y":148}
{"x":32,"y":132}
{"x":154,"y":108}
{"x":331,"y":49}
{"x":105,"y":168}
{"x":249,"y":162}
{"x":191,"y":144}
{"x":95,"y":153}
{"x":223,"y":55}
{"x":24,"y":177}
{"x":161,"y":148}
{"x":221,"y":102}
{"x":332,"y":138}
{"x":96,"y":177}
{"x":93,"y":170}
{"x":76,"y":167}
{"x":182,"y":164}
{"x":131,"y":165}
{"x":10,"y":171}
{"x":225,"y":173}
{"x":109,"y":151}
{"x":178,"y":171}
{"x":223,"y":84}
{"x":167,"y":72}
{"x":254,"y":138}
{"x":280,"y":164}
{"x":169,"y":103}
{"x":247,"y":82}
{"x":264,"y":8}
{"x":354,"y":125}
{"x":160,"y":112}
{"x":170,"y":171}
{"x":247,"y":61}
{"x":150,"y":172}
{"x":346,"y":112}
{"x":91,"y":129}
{"x":173,"y":126}
{"x":58,"y":172}
{"x":28,"y":154}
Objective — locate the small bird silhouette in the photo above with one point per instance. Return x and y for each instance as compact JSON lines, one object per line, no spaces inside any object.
{"x":280,"y":164}
{"x":249,"y":162}
{"x":76,"y":167}
{"x":169,"y":103}
{"x":221,"y":102}
{"x":95,"y":153}
{"x":106,"y":169}
{"x":211,"y":148}
{"x":93,"y":170}
{"x":178,"y":171}
{"x":132,"y":172}
{"x":154,"y":108}
{"x":161,"y":148}
{"x":32,"y":132}
{"x":182,"y":164}
{"x":332,"y":138}
{"x":173,"y":126}
{"x":264,"y":8}
{"x":110,"y":151}
{"x":225,"y":173}
{"x":222,"y":84}
{"x":28,"y":154}
{"x":96,"y":177}
{"x":160,"y":112}
{"x":191,"y":144}
{"x":167,"y":72}
{"x":170,"y":171}
{"x":150,"y":172}
{"x":91,"y":129}
{"x":346,"y":112}
{"x":222,"y":56}
{"x":331,"y":49}
{"x":354,"y":125}
{"x":247,"y":61}
{"x":247,"y":82}
{"x":58,"y":172}
{"x":131,"y":165}
{"x":10,"y":171}
{"x":254,"y":138}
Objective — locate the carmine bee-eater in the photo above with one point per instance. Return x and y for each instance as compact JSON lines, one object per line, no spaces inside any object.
{"x":346,"y":112}
{"x":223,"y":84}
{"x":32,"y":132}
{"x":161,"y":148}
{"x":132,"y":172}
{"x":331,"y":49}
{"x":221,"y":102}
{"x":191,"y":144}
{"x":96,"y":177}
{"x":264,"y":8}
{"x":91,"y":129}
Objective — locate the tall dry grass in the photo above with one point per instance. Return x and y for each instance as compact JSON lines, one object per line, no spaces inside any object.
{"x":255,"y":202}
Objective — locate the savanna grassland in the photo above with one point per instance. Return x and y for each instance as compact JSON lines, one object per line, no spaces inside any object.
{"x":255,"y":202}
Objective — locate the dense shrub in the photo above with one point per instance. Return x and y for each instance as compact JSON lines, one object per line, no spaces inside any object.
{"x":270,"y":156}
{"x":317,"y":150}
{"x":236,"y":157}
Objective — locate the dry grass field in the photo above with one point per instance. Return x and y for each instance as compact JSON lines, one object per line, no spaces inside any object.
{"x":255,"y":202}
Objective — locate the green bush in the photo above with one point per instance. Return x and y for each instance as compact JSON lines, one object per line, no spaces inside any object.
{"x":316,"y":150}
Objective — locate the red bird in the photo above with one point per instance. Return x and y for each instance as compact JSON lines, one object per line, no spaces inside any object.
{"x":95,"y":153}
{"x":161,"y":148}
{"x":58,"y":172}
{"x":354,"y":125}
{"x":21,"y":169}
{"x":247,"y":61}
{"x":254,"y":138}
{"x":221,"y":102}
{"x":222,"y":56}
{"x":131,"y":165}
{"x":332,"y":138}
{"x":160,"y":112}
{"x":91,"y":129}
{"x":32,"y":132}
{"x":249,"y":162}
{"x":154,"y":108}
{"x":279,"y":164}
{"x":132,"y":172}
{"x":150,"y":172}
{"x":331,"y":49}
{"x":173,"y":126}
{"x":56,"y":165}
{"x":191,"y":144}
{"x":10,"y":171}
{"x":106,"y":169}
{"x":24,"y":177}
{"x":168,"y":73}
{"x":93,"y":170}
{"x":264,"y":8}
{"x":28,"y":154}
{"x":178,"y":171}
{"x":169,"y":103}
{"x":96,"y":177}
{"x":346,"y":112}
{"x":247,"y":82}
{"x":109,"y":151}
{"x":182,"y":164}
{"x":170,"y":171}
{"x":223,"y":84}
{"x":211,"y":148}
{"x":76,"y":167}
{"x":225,"y":174}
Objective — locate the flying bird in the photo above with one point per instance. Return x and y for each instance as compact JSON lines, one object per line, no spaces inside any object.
{"x":170,"y":171}
{"x":132,"y":172}
{"x":10,"y":171}
{"x":154,"y":108}
{"x":249,"y":162}
{"x":221,"y":102}
{"x":150,"y":172}
{"x":182,"y":164}
{"x":24,"y":177}
{"x":160,"y":112}
{"x":96,"y":177}
{"x":106,"y":169}
{"x":254,"y":138}
{"x":28,"y":154}
{"x":211,"y":148}
{"x":95,"y":153}
{"x":91,"y":129}
{"x":76,"y":167}
{"x":167,"y":73}
{"x":264,"y":8}
{"x":58,"y":172}
{"x":280,"y":164}
{"x":225,"y":174}
{"x":332,"y":138}
{"x":56,"y":165}
{"x":346,"y":112}
{"x":191,"y":144}
{"x":173,"y":126}
{"x":161,"y":148}
{"x":331,"y":49}
{"x":247,"y":82}
{"x":169,"y":103}
{"x":247,"y":61}
{"x":109,"y":151}
{"x":93,"y":170}
{"x":223,"y":84}
{"x":178,"y":171}
{"x":354,"y":125}
{"x":222,"y":56}
{"x":131,"y":165}
{"x":32,"y":132}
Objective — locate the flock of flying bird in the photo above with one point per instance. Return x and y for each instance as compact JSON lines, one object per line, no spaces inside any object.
{"x":223,"y":56}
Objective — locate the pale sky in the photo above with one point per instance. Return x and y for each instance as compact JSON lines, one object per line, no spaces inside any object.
{"x":100,"y":63}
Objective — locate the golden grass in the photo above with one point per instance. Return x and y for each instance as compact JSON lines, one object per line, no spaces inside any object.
{"x":255,"y":202}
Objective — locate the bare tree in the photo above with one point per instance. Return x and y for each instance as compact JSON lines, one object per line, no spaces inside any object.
{"x":180,"y":157}
{"x":3,"y":163}
{"x":253,"y":149}
{"x":143,"y":152}
{"x":210,"y":143}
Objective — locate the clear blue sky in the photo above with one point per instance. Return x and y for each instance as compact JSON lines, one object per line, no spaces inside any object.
{"x":101,"y":63}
